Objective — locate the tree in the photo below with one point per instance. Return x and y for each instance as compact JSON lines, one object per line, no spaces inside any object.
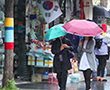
{"x":96,"y":2}
{"x":9,"y":42}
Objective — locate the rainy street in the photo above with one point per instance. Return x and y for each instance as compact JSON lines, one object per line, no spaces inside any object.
{"x":54,"y":44}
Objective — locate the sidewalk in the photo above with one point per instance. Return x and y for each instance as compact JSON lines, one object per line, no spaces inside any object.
{"x":96,"y":85}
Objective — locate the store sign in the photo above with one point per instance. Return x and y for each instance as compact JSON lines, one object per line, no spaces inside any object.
{"x":50,"y":10}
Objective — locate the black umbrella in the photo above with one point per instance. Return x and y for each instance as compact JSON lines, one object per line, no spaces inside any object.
{"x":99,"y":11}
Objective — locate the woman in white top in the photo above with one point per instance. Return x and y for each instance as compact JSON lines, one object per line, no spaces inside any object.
{"x":87,"y":62}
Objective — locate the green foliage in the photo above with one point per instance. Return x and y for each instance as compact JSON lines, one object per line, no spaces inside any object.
{"x":10,"y":86}
{"x":97,"y":2}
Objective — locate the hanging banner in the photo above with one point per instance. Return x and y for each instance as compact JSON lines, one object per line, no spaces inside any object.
{"x":68,"y":10}
{"x":82,"y":16}
{"x":88,"y":9}
{"x":50,"y":9}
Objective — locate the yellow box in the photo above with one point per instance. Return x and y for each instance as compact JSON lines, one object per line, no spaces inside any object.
{"x":48,"y":63}
{"x":31,"y":60}
{"x":40,"y":62}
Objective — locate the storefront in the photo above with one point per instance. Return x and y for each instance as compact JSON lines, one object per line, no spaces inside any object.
{"x":41,"y":15}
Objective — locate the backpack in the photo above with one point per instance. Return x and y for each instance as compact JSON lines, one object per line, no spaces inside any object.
{"x":98,"y":43}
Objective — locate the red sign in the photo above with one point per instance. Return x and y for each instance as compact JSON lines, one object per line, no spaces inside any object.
{"x":104,"y":26}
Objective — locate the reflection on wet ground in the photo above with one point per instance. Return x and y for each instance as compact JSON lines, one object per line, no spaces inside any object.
{"x":96,"y":85}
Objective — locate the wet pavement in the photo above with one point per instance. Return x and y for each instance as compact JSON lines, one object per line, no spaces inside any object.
{"x":96,"y":85}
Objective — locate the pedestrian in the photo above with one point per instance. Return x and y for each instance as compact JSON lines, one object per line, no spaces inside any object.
{"x":102,"y":56}
{"x":61,"y":63}
{"x":94,"y":74}
{"x":87,"y":62}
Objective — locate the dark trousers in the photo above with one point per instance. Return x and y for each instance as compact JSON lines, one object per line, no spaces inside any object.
{"x":87,"y":76}
{"x":62,"y":78}
{"x":102,"y":63}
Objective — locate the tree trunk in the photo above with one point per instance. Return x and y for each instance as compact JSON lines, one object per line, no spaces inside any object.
{"x":9,"y":42}
{"x":103,"y":3}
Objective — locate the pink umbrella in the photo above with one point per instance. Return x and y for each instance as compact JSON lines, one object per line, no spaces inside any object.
{"x":82,"y":28}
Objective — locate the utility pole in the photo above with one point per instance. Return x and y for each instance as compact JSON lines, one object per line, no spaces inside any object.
{"x":9,"y":42}
{"x":22,"y":63}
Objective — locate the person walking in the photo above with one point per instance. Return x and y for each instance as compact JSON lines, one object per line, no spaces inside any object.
{"x":87,"y":62}
{"x":102,"y":56}
{"x":94,"y":74}
{"x":61,"y":63}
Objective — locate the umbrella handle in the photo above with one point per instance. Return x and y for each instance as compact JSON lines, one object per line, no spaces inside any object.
{"x":61,"y":41}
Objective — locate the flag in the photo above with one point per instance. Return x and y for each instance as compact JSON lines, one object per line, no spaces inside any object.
{"x":49,"y":9}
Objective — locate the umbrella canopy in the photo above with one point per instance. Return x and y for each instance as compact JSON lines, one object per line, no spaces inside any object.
{"x":100,"y":11}
{"x":55,"y":32}
{"x":82,"y":28}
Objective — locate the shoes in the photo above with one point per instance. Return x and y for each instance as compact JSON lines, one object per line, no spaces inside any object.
{"x":98,"y":78}
{"x":94,"y":79}
{"x":103,"y":79}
